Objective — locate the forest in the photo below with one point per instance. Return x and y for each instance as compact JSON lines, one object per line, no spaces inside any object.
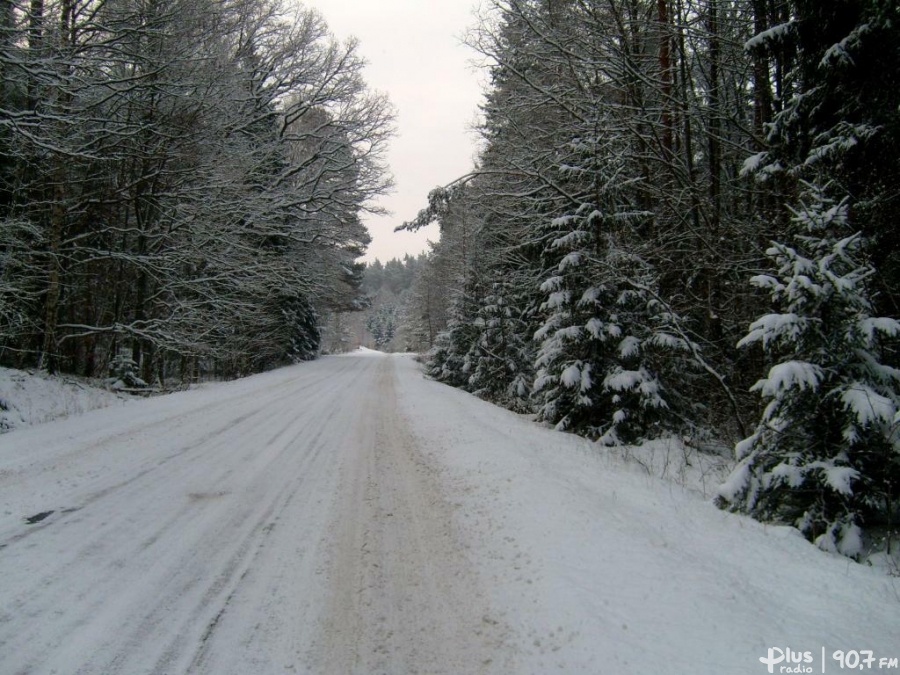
{"x":181,"y":184}
{"x":682,"y":222}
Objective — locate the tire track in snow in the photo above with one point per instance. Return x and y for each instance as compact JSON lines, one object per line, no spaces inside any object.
{"x":63,"y":453}
{"x":404,"y":598}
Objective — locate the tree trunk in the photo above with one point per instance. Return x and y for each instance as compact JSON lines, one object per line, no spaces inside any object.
{"x":49,"y":358}
{"x":35,"y":46}
{"x":762,"y":85}
{"x":714,"y":148}
{"x":665,"y":75}
{"x":7,"y":39}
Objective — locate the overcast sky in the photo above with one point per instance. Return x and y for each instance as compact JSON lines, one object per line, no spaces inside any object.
{"x":416,"y":57}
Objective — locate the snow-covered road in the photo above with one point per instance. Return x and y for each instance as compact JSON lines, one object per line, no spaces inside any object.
{"x":348,"y":516}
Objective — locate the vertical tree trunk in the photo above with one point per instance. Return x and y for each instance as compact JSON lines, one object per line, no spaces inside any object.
{"x":140,"y":300}
{"x":58,"y":215}
{"x":784,"y":60}
{"x":7,"y":39}
{"x":48,"y":358}
{"x":35,"y":46}
{"x":665,"y":75}
{"x":687,"y":144}
{"x":762,"y":85}
{"x":714,"y":144}
{"x":714,"y":149}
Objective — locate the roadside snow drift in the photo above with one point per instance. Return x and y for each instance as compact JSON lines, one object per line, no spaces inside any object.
{"x":28,"y":398}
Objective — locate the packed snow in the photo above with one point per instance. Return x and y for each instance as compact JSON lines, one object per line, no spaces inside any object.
{"x":350,"y":516}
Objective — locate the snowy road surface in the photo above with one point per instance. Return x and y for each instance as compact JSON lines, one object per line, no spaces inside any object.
{"x":348,"y":516}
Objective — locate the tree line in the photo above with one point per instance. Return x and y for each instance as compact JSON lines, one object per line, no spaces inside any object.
{"x":181,"y":183}
{"x":682,"y":222}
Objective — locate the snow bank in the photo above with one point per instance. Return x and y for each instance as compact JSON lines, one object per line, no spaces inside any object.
{"x":597,"y":565}
{"x":28,"y":398}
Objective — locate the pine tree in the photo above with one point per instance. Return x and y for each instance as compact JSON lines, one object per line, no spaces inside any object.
{"x":124,"y":373}
{"x":826,"y":455}
{"x":607,"y":347}
{"x":382,"y":324}
{"x":840,"y":118}
{"x":500,"y":361}
{"x":449,"y":360}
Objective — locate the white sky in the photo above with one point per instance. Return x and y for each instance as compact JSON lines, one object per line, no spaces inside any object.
{"x":416,"y":56}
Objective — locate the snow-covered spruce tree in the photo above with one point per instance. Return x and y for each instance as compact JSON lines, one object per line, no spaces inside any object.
{"x":448,"y":360}
{"x":499,"y":360}
{"x":607,"y":344}
{"x":834,"y":65}
{"x":444,"y":363}
{"x":382,"y":324}
{"x":123,"y":373}
{"x":826,"y":456}
{"x":608,"y":339}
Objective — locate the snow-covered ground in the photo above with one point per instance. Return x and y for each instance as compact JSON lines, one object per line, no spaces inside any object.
{"x":28,"y":398}
{"x":349,"y":516}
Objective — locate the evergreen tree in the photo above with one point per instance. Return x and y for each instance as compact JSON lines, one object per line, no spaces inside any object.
{"x":500,"y":359}
{"x":607,"y":346}
{"x":826,"y":455}
{"x":449,"y":360}
{"x":841,"y":117}
{"x":382,"y":324}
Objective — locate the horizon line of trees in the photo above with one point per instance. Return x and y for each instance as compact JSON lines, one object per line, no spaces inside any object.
{"x":682,"y":221}
{"x":181,"y":183}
